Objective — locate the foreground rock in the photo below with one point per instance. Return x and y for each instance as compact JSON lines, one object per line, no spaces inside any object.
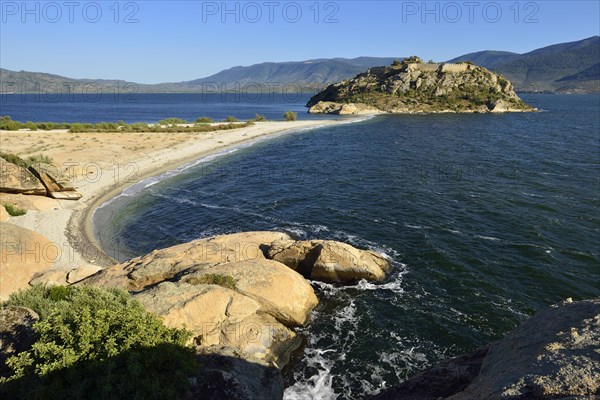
{"x":329,"y":261}
{"x":224,"y":374}
{"x":25,"y":202}
{"x":16,"y":179}
{"x":330,"y":107}
{"x":23,"y":254}
{"x":553,"y":355}
{"x":16,"y":334}
{"x":4,"y":215}
{"x":415,"y":87}
{"x":254,"y":314}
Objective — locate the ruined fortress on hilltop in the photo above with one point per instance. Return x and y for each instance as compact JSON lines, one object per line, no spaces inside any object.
{"x":413,"y":86}
{"x":441,"y":67}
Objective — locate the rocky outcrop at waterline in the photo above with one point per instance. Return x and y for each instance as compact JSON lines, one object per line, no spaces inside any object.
{"x":553,"y":355}
{"x":329,"y":261}
{"x":245,"y":291}
{"x":413,"y":86}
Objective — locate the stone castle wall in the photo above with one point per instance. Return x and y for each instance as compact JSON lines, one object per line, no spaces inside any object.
{"x":455,"y":67}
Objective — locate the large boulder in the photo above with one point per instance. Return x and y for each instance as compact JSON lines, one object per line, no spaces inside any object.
{"x":164,"y":264}
{"x":329,"y":107}
{"x":553,"y":355}
{"x":16,"y":179}
{"x":281,"y":292}
{"x":16,"y":333}
{"x":218,"y":316}
{"x":50,"y":277}
{"x":23,"y":253}
{"x":55,"y":181}
{"x":83,"y":271}
{"x":252,"y":311}
{"x":329,"y":261}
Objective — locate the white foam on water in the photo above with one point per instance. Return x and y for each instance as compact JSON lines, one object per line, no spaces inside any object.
{"x":318,"y":386}
{"x":490,"y":238}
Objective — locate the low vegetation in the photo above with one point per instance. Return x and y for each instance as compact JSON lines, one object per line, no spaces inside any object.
{"x":290,"y":116}
{"x":26,"y":162}
{"x":213,"y":279}
{"x":96,"y":343}
{"x":14,"y":211}
{"x":166,"y":125}
{"x":259,"y":118}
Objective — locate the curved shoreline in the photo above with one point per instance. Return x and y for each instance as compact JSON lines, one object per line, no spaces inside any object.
{"x":80,"y":228}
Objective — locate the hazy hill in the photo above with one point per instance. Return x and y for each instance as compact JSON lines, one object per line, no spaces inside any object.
{"x":564,"y":67}
{"x":318,"y":71}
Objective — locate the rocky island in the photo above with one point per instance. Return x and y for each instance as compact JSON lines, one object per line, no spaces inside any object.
{"x":412,"y":86}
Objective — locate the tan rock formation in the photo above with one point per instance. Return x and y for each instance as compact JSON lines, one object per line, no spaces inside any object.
{"x":253,"y":316}
{"x":51,"y":277}
{"x":22,"y":254}
{"x":328,"y":107}
{"x":57,"y":183}
{"x":329,"y":261}
{"x":4,"y":215}
{"x":36,"y":203}
{"x":283,"y":293}
{"x":165,"y":263}
{"x":16,"y":179}
{"x":218,"y":316}
{"x":77,"y":274}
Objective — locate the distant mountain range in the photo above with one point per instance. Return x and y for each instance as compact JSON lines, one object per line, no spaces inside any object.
{"x":566,"y":67}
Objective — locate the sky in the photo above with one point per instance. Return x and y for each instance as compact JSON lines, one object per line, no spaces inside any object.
{"x":172,"y":41}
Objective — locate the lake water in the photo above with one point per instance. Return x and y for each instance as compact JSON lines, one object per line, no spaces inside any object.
{"x":486,"y":218}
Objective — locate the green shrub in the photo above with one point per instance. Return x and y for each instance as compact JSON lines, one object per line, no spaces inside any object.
{"x":13,"y":158}
{"x":213,"y":279}
{"x":173,"y":121}
{"x":204,"y":120}
{"x":290,"y":116}
{"x":259,"y":118}
{"x":14,"y":211}
{"x":231,"y":119}
{"x":97,"y":343}
{"x":77,"y":128}
{"x":7,"y":124}
{"x":25,"y":163}
{"x":39,"y":159}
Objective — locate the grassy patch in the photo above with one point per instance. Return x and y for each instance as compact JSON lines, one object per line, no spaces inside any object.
{"x":166,"y":125}
{"x":213,"y":279}
{"x":26,"y":162}
{"x":14,"y":211}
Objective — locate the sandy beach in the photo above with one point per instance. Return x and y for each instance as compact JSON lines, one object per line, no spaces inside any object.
{"x":101,"y":166}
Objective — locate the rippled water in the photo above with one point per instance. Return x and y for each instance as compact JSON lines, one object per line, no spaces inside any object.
{"x":486,"y":218}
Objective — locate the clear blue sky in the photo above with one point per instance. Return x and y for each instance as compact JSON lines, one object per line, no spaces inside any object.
{"x":159,"y":41}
